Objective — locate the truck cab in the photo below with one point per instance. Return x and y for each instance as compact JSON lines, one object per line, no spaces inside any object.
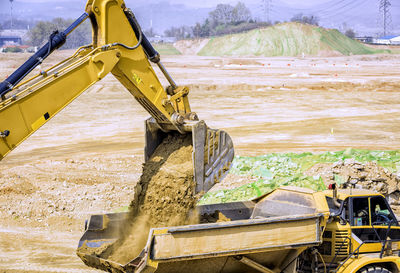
{"x":361,"y":223}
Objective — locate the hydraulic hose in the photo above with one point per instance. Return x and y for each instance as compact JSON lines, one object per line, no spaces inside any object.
{"x":56,"y":40}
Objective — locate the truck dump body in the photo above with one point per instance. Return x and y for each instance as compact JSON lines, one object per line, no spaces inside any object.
{"x":272,"y":242}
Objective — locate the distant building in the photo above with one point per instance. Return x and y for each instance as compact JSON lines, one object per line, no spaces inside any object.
{"x":395,"y":40}
{"x":159,"y":39}
{"x":366,"y":39}
{"x":10,"y":40}
{"x":387,"y":40}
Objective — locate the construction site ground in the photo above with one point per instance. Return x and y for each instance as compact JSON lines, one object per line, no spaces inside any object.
{"x":87,"y":159}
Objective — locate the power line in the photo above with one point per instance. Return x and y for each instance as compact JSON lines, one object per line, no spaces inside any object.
{"x":343,"y":10}
{"x":328,"y":7}
{"x":318,"y":8}
{"x":11,"y":1}
{"x":266,"y":6}
{"x":384,"y":9}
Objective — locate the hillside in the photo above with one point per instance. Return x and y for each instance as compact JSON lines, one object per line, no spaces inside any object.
{"x":166,"y":49}
{"x":287,"y":39}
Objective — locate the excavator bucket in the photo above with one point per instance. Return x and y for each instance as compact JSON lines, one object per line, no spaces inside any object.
{"x":212,"y":151}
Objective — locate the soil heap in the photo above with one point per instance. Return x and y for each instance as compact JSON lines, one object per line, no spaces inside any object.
{"x":353,"y":174}
{"x":164,"y":196}
{"x":286,"y":39}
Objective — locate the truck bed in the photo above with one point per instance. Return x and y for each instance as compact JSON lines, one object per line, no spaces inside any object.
{"x":214,"y":247}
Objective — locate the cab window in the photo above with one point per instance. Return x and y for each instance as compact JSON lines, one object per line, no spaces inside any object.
{"x":360,"y":212}
{"x":381,"y":214}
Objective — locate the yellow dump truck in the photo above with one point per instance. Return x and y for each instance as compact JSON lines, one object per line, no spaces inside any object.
{"x":288,"y":230}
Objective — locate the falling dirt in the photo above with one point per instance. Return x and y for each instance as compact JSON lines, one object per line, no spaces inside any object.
{"x":164,"y":196}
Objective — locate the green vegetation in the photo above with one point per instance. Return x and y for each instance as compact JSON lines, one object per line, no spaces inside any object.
{"x":166,"y":49}
{"x":343,"y":44}
{"x":275,"y":170}
{"x":287,"y":39}
{"x":12,"y":50}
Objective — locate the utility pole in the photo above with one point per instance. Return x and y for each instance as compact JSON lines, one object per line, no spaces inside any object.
{"x":11,"y":1}
{"x":384,"y":9}
{"x":266,"y":6}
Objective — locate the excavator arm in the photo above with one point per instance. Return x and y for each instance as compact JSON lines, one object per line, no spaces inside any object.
{"x":119,"y":47}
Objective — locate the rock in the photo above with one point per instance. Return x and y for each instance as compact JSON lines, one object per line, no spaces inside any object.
{"x":378,"y":179}
{"x":350,"y":161}
{"x":337,"y":164}
{"x":380,"y":187}
{"x":353,"y":181}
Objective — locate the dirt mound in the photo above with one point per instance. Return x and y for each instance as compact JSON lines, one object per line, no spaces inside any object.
{"x":352,"y":174}
{"x":166,"y":49}
{"x":164,"y":195}
{"x":288,"y":39}
{"x":190,"y":47}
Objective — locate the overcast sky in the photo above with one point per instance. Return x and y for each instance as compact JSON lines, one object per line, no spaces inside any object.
{"x":203,"y":3}
{"x":362,"y":15}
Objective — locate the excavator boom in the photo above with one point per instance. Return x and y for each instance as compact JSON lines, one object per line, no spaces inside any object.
{"x":119,"y":47}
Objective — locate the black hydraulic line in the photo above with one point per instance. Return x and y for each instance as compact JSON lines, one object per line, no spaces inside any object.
{"x":152,"y":54}
{"x":385,"y":241}
{"x":154,"y":57}
{"x":56,"y":40}
{"x":148,"y":48}
{"x":136,"y":28}
{"x":337,"y":252}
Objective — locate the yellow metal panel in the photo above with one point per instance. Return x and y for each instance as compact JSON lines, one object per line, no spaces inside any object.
{"x":42,"y":99}
{"x":38,"y":123}
{"x":354,"y":264}
{"x":10,"y":117}
{"x":273,"y":236}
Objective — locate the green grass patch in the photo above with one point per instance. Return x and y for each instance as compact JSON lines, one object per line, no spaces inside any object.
{"x":166,"y":49}
{"x":287,"y":169}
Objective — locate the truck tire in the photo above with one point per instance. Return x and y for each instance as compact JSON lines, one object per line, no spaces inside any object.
{"x":374,"y":269}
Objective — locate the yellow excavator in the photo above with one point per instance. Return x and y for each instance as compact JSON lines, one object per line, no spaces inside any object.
{"x":120,"y":47}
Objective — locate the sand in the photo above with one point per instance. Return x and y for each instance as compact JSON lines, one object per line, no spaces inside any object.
{"x":164,"y":196}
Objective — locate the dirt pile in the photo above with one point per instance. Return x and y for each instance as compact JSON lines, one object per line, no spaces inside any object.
{"x":164,"y":196}
{"x":166,"y":49}
{"x":352,"y":174}
{"x":191,"y":47}
{"x":287,"y":39}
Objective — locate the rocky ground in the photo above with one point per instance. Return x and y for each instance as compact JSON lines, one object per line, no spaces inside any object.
{"x":352,"y":174}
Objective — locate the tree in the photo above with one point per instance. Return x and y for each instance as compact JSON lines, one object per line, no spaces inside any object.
{"x":311,"y":19}
{"x":40,"y":34}
{"x":223,"y":14}
{"x":202,"y":30}
{"x":350,"y":33}
{"x":241,"y":13}
{"x":150,"y":32}
{"x":224,"y":19}
{"x":17,"y":24}
{"x":178,"y":32}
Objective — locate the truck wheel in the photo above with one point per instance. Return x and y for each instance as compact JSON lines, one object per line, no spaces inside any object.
{"x":374,"y":269}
